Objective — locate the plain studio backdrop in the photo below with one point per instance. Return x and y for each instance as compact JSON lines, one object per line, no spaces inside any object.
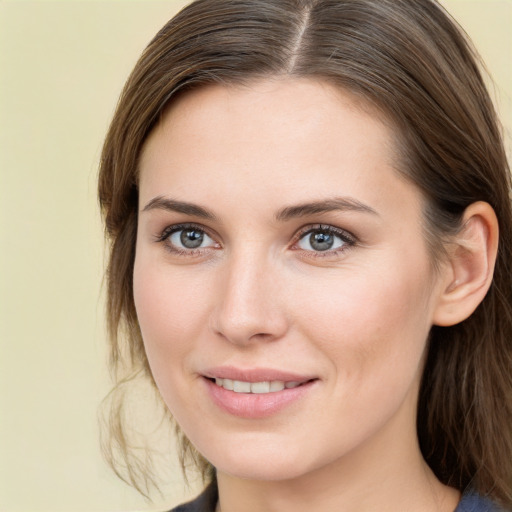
{"x":62,"y":67}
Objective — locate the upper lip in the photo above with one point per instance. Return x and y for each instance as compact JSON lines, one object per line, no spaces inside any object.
{"x":254,"y":374}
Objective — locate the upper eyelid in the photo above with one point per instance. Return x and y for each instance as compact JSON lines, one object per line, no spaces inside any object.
{"x":172,"y":228}
{"x":325,"y":227}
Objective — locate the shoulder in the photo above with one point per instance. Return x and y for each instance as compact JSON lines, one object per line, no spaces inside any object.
{"x":473,"y":502}
{"x":205,"y":502}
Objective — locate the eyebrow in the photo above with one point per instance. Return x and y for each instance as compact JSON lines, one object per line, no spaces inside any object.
{"x":172,"y":205}
{"x":329,"y":205}
{"x":283,"y":215}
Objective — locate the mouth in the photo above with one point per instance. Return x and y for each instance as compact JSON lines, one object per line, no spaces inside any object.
{"x":258,"y":393}
{"x":257,"y":388}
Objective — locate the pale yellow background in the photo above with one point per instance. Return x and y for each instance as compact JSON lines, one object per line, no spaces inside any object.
{"x":62,"y":65}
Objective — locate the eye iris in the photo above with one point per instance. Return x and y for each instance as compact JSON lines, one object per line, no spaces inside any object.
{"x":191,"y":238}
{"x":321,"y":241}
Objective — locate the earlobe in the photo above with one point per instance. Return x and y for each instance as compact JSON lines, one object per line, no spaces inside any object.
{"x":470,"y":266}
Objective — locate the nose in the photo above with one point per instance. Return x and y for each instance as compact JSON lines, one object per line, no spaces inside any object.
{"x":249,"y":304}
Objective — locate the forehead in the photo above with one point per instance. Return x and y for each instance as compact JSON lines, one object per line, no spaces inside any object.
{"x":298,"y":99}
{"x":303,"y":136}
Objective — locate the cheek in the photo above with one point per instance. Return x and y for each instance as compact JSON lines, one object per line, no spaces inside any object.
{"x":370,"y":323}
{"x":171,"y":311}
{"x":372,"y":333}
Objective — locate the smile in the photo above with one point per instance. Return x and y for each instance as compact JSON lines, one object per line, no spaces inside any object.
{"x":258,"y":393}
{"x":240,"y":386}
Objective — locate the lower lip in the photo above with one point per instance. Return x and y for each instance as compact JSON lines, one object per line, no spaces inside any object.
{"x":256,"y":405}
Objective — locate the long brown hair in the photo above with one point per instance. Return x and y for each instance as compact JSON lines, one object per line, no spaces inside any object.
{"x":411,"y":61}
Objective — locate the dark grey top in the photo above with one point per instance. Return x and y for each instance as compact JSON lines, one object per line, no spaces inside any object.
{"x":472,"y":502}
{"x":207,"y":500}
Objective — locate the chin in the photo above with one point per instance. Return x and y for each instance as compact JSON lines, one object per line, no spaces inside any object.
{"x":264,"y":460}
{"x":262,"y":470}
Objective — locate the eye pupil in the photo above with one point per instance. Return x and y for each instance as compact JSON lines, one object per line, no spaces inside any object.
{"x":321,"y":241}
{"x":191,"y":238}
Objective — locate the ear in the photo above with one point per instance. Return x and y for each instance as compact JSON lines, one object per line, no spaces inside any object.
{"x":469,"y":270}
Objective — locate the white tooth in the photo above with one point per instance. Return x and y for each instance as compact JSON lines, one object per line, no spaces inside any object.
{"x":276,"y":385}
{"x":291,"y":384}
{"x":260,"y":387}
{"x":240,"y":386}
{"x":228,"y":384}
{"x":218,"y":382}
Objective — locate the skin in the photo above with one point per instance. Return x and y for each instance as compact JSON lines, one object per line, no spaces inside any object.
{"x":257,"y":294}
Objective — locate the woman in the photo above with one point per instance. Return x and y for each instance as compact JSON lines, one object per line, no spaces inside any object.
{"x":308,"y":203}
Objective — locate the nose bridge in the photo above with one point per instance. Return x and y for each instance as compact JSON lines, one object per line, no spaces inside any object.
{"x":248,"y":306}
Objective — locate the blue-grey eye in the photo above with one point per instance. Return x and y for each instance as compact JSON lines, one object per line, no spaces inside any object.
{"x":190,"y":238}
{"x":321,"y":240}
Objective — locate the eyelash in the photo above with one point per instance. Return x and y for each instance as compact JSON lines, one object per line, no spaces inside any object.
{"x":348,"y":239}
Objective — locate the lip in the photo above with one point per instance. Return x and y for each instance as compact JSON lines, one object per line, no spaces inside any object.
{"x":254,"y":405}
{"x":254,"y":374}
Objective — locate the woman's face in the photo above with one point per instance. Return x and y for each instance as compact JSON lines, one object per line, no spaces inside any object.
{"x":279,"y":252}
